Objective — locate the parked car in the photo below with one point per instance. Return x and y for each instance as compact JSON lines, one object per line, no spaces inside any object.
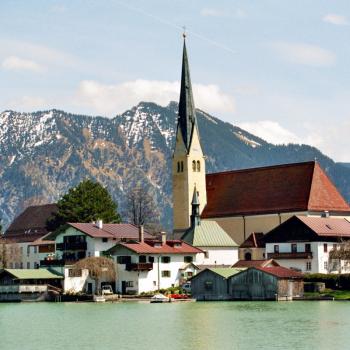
{"x":107,"y":289}
{"x":186,"y":287}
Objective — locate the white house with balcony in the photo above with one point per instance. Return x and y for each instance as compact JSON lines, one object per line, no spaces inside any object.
{"x":304,"y":243}
{"x":81,"y":240}
{"x":149,"y":265}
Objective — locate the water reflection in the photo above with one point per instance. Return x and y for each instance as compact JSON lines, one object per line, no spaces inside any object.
{"x":206,"y":325}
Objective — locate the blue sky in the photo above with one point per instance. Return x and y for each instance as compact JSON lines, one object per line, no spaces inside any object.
{"x":278,"y":68}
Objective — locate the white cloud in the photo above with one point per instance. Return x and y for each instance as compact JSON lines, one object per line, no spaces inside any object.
{"x":27,"y":103}
{"x":270,"y":131}
{"x":335,"y":19}
{"x":305,"y":54}
{"x":41,"y":54}
{"x":212,"y":12}
{"x":17,"y":63}
{"x":112,"y":99}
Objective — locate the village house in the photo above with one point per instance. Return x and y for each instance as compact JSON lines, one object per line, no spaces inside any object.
{"x":25,"y":235}
{"x":148,"y":265}
{"x":81,"y":240}
{"x":218,"y":247}
{"x":304,"y":243}
{"x":253,"y":248}
{"x":266,"y":283}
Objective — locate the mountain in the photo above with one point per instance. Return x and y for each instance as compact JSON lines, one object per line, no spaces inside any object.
{"x":43,"y":154}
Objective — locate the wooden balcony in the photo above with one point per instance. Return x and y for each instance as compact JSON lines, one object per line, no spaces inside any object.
{"x":297,"y":255}
{"x":23,"y":288}
{"x":58,"y":262}
{"x":71,"y":246}
{"x":139,"y":267}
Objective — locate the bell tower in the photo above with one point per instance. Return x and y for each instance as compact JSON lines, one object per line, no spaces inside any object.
{"x":188,"y":158}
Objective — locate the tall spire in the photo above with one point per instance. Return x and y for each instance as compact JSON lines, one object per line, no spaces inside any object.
{"x":187,"y":113}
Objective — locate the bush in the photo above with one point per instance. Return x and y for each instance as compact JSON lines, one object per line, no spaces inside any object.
{"x":332,"y":281}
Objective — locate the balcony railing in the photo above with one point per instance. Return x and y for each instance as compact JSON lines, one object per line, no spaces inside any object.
{"x":71,"y":246}
{"x":139,"y":267}
{"x":297,"y":255}
{"x":58,"y":262}
{"x":23,"y":288}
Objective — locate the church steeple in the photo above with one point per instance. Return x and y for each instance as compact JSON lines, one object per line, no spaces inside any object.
{"x":187,"y":113}
{"x":188,"y":158}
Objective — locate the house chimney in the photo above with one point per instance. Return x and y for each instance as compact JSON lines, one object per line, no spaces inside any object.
{"x":99,"y":224}
{"x":163,"y":238}
{"x":325,"y":214}
{"x":141,"y":234}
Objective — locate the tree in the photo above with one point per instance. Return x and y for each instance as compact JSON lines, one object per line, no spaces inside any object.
{"x":99,"y":268}
{"x":141,"y":208}
{"x":10,"y":253}
{"x":0,"y":227}
{"x":87,"y":202}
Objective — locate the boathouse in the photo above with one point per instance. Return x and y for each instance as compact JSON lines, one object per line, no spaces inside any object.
{"x":212,"y":283}
{"x":266,"y":283}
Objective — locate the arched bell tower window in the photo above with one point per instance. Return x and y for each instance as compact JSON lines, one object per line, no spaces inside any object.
{"x":182,"y":166}
{"x":198,"y":165}
{"x":178,"y":167}
{"x":194,"y":165}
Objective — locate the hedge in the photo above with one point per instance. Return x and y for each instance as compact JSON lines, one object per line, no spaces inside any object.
{"x":332,"y":281}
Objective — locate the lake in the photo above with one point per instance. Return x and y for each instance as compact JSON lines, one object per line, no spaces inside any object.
{"x":201,"y":325}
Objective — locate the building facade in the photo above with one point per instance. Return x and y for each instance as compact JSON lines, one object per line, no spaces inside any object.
{"x":304,"y":243}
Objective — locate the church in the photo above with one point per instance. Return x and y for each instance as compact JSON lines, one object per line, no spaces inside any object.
{"x":242,"y":201}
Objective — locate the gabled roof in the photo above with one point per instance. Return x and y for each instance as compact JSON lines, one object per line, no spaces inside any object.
{"x":31,"y":223}
{"x":224,"y":272}
{"x":255,"y":240}
{"x":156,"y":247}
{"x":272,"y":189}
{"x":118,"y":231}
{"x":208,"y":233}
{"x":28,"y":274}
{"x":327,"y":226}
{"x":303,"y":228}
{"x":255,"y":263}
{"x":279,"y":271}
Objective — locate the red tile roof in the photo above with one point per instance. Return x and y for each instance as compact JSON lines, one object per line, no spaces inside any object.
{"x":31,"y":223}
{"x":281,"y":272}
{"x":327,"y":226}
{"x":149,"y":247}
{"x":118,"y":231}
{"x":255,"y":240}
{"x":255,"y":263}
{"x":273,"y":189}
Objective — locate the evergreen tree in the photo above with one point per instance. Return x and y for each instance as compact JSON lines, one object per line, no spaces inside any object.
{"x":87,"y":202}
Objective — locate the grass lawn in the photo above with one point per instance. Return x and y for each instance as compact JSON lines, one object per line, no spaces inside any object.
{"x":336,"y":294}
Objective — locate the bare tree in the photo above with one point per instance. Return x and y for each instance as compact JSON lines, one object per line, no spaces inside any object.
{"x":99,"y":268}
{"x":341,"y":252}
{"x":10,"y":253}
{"x":141,"y":208}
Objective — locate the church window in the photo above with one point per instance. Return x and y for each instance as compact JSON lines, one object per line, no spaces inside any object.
{"x":182,"y":166}
{"x":194,"y":165}
{"x":178,"y":167}
{"x":198,"y":165}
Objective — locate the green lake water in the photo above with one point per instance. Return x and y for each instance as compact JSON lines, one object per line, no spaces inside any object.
{"x":201,"y":325}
